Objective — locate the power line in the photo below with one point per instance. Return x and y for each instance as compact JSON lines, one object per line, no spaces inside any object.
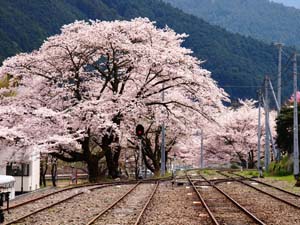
{"x":240,"y":86}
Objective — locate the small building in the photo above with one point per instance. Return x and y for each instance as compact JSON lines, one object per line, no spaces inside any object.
{"x":26,"y":173}
{"x":7,"y":185}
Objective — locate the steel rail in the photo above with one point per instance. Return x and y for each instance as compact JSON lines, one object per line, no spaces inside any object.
{"x":41,"y":197}
{"x":203,"y":202}
{"x":251,"y":215}
{"x":57,"y":192}
{"x":266,"y":184}
{"x":266,"y":193}
{"x":112,"y":205}
{"x":217,"y":181}
{"x":54,"y":204}
{"x":146,"y":205}
{"x":80,"y":186}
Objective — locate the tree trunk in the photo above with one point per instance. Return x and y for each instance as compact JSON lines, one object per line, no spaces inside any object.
{"x":157,"y":171}
{"x":54,"y":173}
{"x":112,"y":160}
{"x":43,"y":171}
{"x":251,"y":163}
{"x":93,"y":169}
{"x":92,"y":160}
{"x":111,"y":155}
{"x":41,"y":174}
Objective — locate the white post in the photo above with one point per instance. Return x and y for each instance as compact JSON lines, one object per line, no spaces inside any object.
{"x":279,"y":45}
{"x":274,"y":96}
{"x":296,"y":143}
{"x":259,"y":134}
{"x":267,"y":136}
{"x":140,"y":162}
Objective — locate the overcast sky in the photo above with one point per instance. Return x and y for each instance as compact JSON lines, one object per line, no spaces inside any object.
{"x":295,"y":3}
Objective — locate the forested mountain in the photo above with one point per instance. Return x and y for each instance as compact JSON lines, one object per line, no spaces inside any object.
{"x":293,"y":3}
{"x":233,"y":59}
{"x":261,"y":19}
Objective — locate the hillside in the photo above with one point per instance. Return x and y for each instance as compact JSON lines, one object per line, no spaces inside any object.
{"x":233,"y":59}
{"x":260,"y":19}
{"x":292,"y":3}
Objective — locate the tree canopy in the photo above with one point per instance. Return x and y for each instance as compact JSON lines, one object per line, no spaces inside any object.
{"x":238,"y":63}
{"x":80,"y":96}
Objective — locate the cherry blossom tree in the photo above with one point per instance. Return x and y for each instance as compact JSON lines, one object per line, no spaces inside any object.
{"x":234,"y":137}
{"x":83,"y":87}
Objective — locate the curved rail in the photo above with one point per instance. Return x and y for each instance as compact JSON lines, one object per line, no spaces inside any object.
{"x":51,"y":205}
{"x":146,"y":205}
{"x":266,"y":184}
{"x":248,"y":213}
{"x":264,"y":192}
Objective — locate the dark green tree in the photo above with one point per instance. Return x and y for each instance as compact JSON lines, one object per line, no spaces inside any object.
{"x":284,"y":129}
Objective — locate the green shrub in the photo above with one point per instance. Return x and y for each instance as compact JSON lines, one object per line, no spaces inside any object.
{"x":282,"y":168}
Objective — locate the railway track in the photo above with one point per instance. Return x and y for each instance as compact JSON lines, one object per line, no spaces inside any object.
{"x":221,"y":208}
{"x":279,"y":194}
{"x":41,"y":196}
{"x":37,"y":205}
{"x":28,"y":211}
{"x":125,"y":209}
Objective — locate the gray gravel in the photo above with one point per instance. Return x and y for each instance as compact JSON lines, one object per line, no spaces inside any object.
{"x":31,"y":195}
{"x":174,"y":206}
{"x":80,"y":209}
{"x":289,"y":186}
{"x":31,"y":207}
{"x":177,"y":205}
{"x":127,"y":211}
{"x":266,"y":208}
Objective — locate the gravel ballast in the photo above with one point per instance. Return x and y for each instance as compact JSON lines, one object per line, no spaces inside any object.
{"x":266,"y":208}
{"x":174,"y":206}
{"x":80,"y":209}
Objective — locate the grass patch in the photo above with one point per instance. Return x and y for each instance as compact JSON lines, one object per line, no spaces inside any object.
{"x":248,"y":173}
{"x":288,"y":178}
{"x":208,"y":172}
{"x":253,"y":173}
{"x":167,"y":175}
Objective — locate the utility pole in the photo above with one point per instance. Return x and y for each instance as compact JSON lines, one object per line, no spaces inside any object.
{"x":163,"y":150}
{"x":140,"y":159}
{"x":274,"y":96}
{"x":259,"y":134}
{"x":296,"y":142}
{"x":201,"y":151}
{"x":279,"y":46}
{"x":267,"y":135}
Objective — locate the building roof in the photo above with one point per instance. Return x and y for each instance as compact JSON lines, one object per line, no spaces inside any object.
{"x":6,"y":181}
